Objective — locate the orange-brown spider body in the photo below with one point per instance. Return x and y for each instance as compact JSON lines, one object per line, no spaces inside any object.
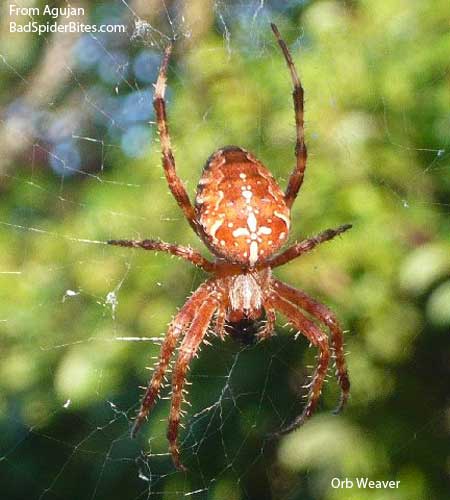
{"x":243,"y":216}
{"x":240,"y":208}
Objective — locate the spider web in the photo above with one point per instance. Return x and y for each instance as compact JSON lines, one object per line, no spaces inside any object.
{"x":80,"y":321}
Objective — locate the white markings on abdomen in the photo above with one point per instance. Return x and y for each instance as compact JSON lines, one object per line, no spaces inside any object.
{"x":253,"y":253}
{"x":252,"y":223}
{"x":214,"y":227}
{"x":284,"y":218}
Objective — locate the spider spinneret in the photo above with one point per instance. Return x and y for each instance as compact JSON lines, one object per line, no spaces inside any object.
{"x":243,"y":217}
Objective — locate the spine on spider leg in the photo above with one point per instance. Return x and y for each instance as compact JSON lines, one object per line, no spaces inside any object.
{"x":159,"y":378}
{"x":307,"y":245}
{"x":337,"y":344}
{"x":316,"y":388}
{"x":296,"y":177}
{"x":187,"y":351}
{"x":318,"y":338}
{"x":329,"y":320}
{"x":341,"y":369}
{"x":176,"y":186}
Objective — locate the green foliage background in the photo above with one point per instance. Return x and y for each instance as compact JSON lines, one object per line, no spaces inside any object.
{"x":377,"y":81}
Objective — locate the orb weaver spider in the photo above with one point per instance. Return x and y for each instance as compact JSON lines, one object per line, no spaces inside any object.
{"x":243,"y":217}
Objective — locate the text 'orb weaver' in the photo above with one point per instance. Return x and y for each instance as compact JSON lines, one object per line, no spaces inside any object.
{"x":243,"y":217}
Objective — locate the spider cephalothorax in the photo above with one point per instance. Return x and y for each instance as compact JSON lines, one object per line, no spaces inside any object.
{"x":243,"y":217}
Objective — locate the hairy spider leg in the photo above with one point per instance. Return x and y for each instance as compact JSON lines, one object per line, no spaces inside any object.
{"x":177,"y":327}
{"x":267,"y":330}
{"x":296,"y":177}
{"x":317,"y":338}
{"x":305,"y":246}
{"x":327,"y":318}
{"x":188,"y":349}
{"x":219,"y":328}
{"x":168,"y":161}
{"x":187,"y":253}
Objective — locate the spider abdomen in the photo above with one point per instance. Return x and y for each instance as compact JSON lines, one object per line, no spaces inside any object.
{"x":240,"y":207}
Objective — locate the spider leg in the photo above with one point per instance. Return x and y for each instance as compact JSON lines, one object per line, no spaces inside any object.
{"x":296,"y":178}
{"x":187,"y":351}
{"x":268,"y":329}
{"x":327,"y":318}
{"x":219,"y":327}
{"x":318,"y":338}
{"x":178,"y":325}
{"x":305,"y":246}
{"x":168,"y":161}
{"x":186,"y":253}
